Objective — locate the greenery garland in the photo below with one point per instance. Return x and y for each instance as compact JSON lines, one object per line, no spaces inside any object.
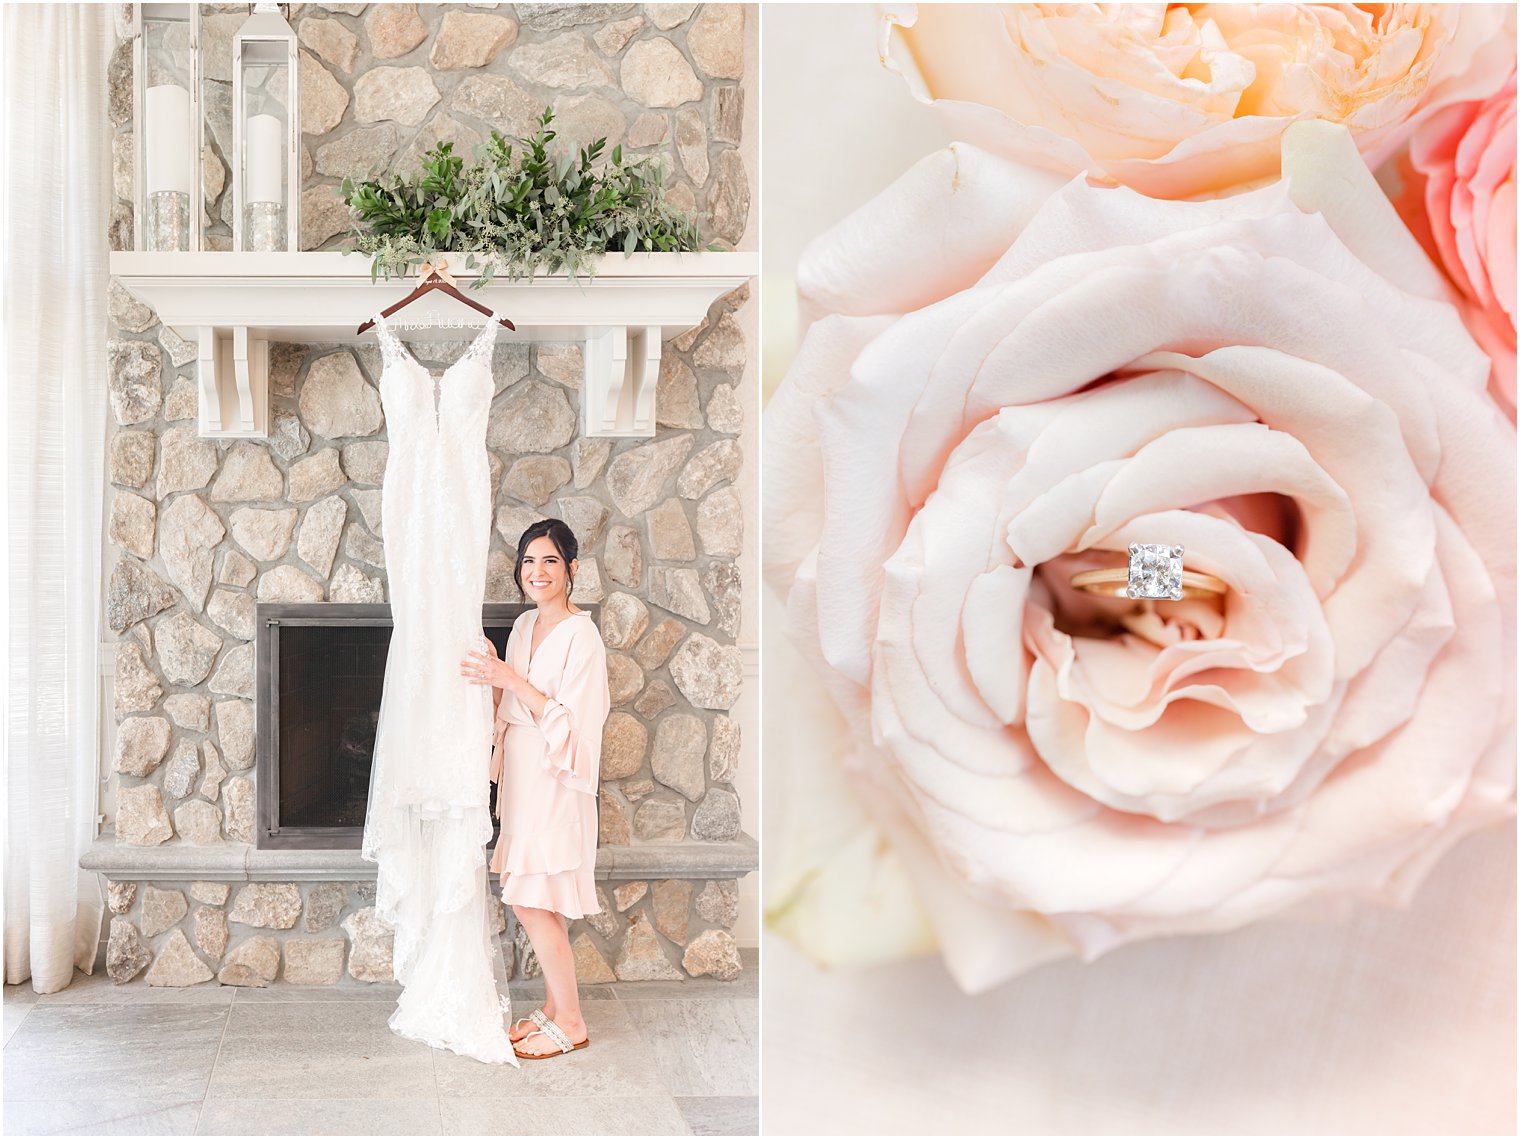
{"x":517,"y":212}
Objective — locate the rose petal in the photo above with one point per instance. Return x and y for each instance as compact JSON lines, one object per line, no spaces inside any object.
{"x":792,"y":513}
{"x":833,"y":887}
{"x":932,"y":232}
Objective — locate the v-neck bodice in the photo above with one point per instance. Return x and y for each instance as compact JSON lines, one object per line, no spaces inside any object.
{"x":461,"y":387}
{"x":530,"y":655}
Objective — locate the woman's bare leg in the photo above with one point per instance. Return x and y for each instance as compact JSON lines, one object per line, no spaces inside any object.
{"x":521,"y":1026}
{"x":562,"y":1003}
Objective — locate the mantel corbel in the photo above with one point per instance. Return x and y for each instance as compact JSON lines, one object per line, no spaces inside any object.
{"x":622,"y":372}
{"x":233,"y":378}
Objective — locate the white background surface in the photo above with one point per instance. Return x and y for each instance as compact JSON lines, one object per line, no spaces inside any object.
{"x":1391,"y":1022}
{"x":837,"y":128}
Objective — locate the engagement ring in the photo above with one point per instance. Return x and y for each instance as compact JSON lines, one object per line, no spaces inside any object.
{"x":1155,"y":574}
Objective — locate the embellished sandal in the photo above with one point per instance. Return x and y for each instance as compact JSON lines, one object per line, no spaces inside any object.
{"x":554,"y":1032}
{"x":511,"y":1028}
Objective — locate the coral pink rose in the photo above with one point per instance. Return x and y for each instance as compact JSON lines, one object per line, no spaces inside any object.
{"x":989,"y":399}
{"x":1460,"y":201}
{"x":1181,"y":100}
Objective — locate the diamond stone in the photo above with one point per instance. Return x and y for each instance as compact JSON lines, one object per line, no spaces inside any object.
{"x":1155,"y":572}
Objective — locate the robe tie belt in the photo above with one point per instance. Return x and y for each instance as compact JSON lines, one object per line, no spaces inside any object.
{"x":498,"y":740}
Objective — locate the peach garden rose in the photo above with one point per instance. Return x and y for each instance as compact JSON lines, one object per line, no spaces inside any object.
{"x":1182,"y":100}
{"x":1006,"y":377}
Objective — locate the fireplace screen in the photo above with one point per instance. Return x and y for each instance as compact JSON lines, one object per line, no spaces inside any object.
{"x":320,"y":670}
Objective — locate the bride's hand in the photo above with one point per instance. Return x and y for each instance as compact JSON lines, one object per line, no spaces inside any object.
{"x":486,"y":667}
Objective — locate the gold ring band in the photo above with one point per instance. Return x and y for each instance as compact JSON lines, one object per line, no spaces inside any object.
{"x":1115,"y":583}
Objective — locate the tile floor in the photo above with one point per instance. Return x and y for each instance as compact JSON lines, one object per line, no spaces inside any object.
{"x":667,"y":1058}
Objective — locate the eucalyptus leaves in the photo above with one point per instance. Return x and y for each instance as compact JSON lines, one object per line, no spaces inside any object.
{"x":517,"y":211}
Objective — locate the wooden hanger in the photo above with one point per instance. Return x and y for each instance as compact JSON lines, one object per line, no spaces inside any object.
{"x":430,"y":277}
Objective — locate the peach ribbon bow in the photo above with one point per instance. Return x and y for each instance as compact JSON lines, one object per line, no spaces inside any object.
{"x":428,"y":269}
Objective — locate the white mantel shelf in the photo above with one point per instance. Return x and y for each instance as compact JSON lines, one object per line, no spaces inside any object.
{"x":233,"y":305}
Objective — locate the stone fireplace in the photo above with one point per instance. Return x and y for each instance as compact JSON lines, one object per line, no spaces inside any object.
{"x":217,"y":872}
{"x":319,"y":676}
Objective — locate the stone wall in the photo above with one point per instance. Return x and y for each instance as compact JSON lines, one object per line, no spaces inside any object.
{"x":201,"y":529}
{"x":381,"y":83}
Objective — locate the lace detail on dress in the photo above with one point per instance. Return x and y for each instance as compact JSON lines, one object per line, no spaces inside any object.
{"x":483,"y":343}
{"x":391,"y":349}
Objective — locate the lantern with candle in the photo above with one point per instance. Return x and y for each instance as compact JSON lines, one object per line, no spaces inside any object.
{"x":166,"y":126}
{"x":266,"y":125}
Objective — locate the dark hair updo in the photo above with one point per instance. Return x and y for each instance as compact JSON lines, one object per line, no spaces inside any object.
{"x":564,"y":541}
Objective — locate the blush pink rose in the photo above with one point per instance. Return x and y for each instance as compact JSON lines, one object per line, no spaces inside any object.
{"x":1181,"y":100}
{"x":1459,"y":199}
{"x":1005,"y":379}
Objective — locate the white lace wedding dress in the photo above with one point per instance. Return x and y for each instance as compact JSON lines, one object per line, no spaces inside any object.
{"x":428,"y":818}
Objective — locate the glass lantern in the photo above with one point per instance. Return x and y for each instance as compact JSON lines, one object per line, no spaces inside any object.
{"x":166,"y":126}
{"x":266,"y":133}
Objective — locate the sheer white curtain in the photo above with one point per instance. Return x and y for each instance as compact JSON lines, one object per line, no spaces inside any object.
{"x":57,"y":184}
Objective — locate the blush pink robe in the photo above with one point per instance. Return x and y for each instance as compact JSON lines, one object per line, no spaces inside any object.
{"x":546,"y":768}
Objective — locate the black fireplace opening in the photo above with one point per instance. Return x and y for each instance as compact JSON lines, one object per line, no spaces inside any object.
{"x":320,"y":671}
{"x":329,"y":700}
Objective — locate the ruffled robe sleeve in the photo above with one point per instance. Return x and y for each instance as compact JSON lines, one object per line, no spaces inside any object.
{"x":573,"y":715}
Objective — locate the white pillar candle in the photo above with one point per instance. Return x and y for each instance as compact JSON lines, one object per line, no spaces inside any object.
{"x":264,"y":147}
{"x":169,"y":142}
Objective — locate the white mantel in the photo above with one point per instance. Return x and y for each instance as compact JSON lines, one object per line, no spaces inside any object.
{"x":234,"y":304}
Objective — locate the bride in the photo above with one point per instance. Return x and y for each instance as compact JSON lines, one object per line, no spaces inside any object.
{"x":553,"y":702}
